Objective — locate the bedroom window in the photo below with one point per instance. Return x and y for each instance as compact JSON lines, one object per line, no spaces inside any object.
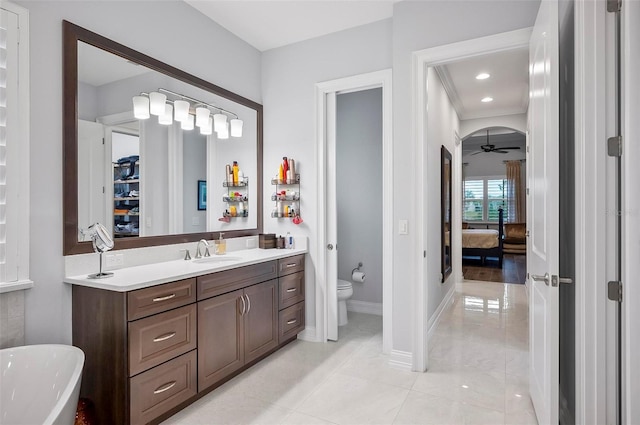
{"x":483,"y":196}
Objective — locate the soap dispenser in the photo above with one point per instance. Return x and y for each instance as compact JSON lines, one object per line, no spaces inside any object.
{"x":221,"y":246}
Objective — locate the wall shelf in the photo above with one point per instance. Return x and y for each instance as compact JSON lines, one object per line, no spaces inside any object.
{"x":287,"y":201}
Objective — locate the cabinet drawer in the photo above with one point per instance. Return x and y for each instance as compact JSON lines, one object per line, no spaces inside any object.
{"x":156,"y":339}
{"x":291,"y":321}
{"x":229,"y":280}
{"x":291,"y":290}
{"x":162,"y":388}
{"x":290,"y":265}
{"x":156,"y":299}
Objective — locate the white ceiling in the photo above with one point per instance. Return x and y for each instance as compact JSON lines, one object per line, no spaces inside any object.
{"x":508,"y":84}
{"x":267,"y":24}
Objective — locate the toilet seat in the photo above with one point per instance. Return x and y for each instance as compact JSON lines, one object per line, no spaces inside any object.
{"x":344,"y":284}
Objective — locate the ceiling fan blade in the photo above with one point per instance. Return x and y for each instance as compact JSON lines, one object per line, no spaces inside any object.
{"x":499,"y":151}
{"x":476,"y":153}
{"x":511,"y":147}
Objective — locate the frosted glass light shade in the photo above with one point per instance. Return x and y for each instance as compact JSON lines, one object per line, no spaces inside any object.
{"x":181,"y":110}
{"x":141,"y":107}
{"x":224,"y":132}
{"x":236,"y":127}
{"x":219,"y":122}
{"x":167,"y":117}
{"x":207,"y":130}
{"x":188,"y":123}
{"x":157,"y":102}
{"x":202,"y":116}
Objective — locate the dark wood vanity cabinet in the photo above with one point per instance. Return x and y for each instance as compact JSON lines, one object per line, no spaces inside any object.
{"x":235,"y":329}
{"x":151,"y":351}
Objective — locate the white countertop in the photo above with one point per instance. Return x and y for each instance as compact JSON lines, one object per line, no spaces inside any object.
{"x":131,"y":278}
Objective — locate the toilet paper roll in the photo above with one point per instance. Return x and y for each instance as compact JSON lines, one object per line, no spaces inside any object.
{"x":357,"y":276}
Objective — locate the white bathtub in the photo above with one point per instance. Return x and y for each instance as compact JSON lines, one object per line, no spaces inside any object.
{"x":40,"y":384}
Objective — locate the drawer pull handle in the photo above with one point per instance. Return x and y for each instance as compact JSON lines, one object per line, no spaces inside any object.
{"x":164,"y":337}
{"x":292,"y":289}
{"x":292,"y":265}
{"x":168,"y":297}
{"x":165,"y":387}
{"x":291,"y":322}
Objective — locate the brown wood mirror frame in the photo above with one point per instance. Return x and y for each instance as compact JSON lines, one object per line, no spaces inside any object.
{"x":445,"y":201}
{"x":72,"y":34}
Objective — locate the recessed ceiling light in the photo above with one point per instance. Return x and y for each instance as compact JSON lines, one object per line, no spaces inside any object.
{"x":482,"y":76}
{"x":487,"y":99}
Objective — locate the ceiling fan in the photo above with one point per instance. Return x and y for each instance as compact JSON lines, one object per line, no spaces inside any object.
{"x":487,"y":147}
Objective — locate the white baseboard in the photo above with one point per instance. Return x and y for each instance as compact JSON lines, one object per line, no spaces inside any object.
{"x":435,"y":318}
{"x":364,"y":307}
{"x":309,"y":334}
{"x":401,"y":359}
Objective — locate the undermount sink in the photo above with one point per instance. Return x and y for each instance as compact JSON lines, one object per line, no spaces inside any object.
{"x":216,"y":259}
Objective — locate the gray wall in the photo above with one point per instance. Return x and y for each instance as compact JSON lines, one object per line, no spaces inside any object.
{"x":289,"y":77}
{"x":359,"y":195}
{"x":141,"y":25}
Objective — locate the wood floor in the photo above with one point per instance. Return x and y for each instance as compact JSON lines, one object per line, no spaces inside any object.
{"x":514,"y":269}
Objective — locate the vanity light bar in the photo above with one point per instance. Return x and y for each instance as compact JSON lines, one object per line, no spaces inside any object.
{"x":156,"y":103}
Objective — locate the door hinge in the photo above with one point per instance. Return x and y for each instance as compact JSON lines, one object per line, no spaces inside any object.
{"x":614,"y":146}
{"x":103,"y":140}
{"x":614,"y":291}
{"x":614,"y":6}
{"x":526,"y":233}
{"x":527,"y":191}
{"x":424,"y":254}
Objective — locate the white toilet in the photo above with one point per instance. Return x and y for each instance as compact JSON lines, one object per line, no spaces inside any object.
{"x":345,"y":291}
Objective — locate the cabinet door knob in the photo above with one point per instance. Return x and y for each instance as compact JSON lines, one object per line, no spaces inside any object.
{"x":244,"y":305}
{"x":330,"y":247}
{"x":248,"y":303}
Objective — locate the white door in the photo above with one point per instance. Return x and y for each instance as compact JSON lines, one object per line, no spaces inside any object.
{"x":332,"y":221}
{"x":92,"y":188}
{"x":542,"y":214}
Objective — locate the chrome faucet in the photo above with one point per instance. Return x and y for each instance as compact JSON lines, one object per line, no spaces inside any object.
{"x":206,"y":249}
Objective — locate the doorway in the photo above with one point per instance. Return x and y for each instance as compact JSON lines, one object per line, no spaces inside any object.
{"x":494,"y":190}
{"x":327,"y":264}
{"x":425,"y":310}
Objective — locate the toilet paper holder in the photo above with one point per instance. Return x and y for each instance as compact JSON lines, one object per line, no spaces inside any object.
{"x":357,"y":268}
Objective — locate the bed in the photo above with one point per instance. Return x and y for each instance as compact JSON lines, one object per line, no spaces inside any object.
{"x":484,"y":243}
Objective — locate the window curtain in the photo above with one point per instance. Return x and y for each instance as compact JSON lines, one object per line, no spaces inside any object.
{"x":516,"y":209}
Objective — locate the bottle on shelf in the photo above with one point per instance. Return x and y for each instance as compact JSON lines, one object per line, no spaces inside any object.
{"x":235,"y":172}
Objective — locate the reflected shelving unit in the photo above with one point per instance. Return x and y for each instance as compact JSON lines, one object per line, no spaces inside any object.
{"x":237,"y":199}
{"x":126,"y":199}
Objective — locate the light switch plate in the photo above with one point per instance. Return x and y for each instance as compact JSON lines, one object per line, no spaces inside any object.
{"x":403,"y":227}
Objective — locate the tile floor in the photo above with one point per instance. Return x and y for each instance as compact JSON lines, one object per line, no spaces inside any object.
{"x":477,"y":375}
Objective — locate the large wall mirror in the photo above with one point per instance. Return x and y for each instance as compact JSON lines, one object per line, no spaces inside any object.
{"x":156,"y":180}
{"x":447,"y":265}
